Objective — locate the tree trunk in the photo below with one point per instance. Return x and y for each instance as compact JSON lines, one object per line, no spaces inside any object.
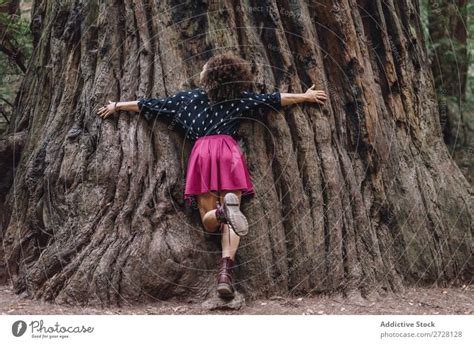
{"x":360,"y":196}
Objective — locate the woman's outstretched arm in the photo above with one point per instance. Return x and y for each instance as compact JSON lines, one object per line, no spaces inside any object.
{"x":128,"y":106}
{"x":151,"y":108}
{"x":311,"y":96}
{"x":276,"y":100}
{"x":112,"y":107}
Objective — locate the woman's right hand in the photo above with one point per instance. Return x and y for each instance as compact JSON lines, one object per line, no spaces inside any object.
{"x":107,"y":110}
{"x":316,"y":96}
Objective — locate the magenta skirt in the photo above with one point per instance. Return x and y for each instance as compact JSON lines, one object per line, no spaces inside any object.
{"x":216,"y":163}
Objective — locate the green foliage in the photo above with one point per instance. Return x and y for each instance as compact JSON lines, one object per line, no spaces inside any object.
{"x":470,"y":74}
{"x":424,"y":13}
{"x":17,"y":28}
{"x":453,"y":50}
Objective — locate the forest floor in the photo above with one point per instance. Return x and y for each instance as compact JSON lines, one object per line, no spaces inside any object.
{"x":414,"y":300}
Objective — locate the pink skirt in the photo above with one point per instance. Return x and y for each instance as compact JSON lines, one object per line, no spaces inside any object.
{"x":216,"y":163}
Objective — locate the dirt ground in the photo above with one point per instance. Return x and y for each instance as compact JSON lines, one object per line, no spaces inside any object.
{"x":414,"y":300}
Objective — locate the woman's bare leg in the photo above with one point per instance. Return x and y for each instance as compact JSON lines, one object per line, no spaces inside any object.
{"x":230,"y":243}
{"x":207,"y":203}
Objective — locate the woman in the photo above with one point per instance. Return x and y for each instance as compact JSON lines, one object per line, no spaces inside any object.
{"x":210,"y":116}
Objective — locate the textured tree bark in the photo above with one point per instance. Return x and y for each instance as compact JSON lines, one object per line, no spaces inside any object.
{"x":360,"y":196}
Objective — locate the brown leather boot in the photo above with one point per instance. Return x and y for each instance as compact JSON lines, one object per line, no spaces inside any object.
{"x":224,"y":279}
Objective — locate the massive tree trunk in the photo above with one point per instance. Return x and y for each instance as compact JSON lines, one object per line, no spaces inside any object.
{"x":360,"y":196}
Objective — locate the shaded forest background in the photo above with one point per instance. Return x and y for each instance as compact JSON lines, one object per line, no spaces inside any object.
{"x":449,"y":38}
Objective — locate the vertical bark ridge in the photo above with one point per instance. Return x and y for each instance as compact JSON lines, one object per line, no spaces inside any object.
{"x":295,"y":219}
{"x":307,"y":58}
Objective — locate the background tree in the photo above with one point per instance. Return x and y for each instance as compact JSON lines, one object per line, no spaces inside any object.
{"x":449,"y":23}
{"x":360,"y":196}
{"x":15,"y":50}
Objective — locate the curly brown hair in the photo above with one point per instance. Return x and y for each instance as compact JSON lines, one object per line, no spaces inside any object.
{"x":226,"y":77}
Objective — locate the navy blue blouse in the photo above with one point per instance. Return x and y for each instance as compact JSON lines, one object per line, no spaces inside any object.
{"x":191,"y":111}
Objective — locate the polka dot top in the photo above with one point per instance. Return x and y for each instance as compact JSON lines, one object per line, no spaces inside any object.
{"x":191,"y":111}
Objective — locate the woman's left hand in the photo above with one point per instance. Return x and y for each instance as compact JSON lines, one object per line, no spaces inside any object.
{"x":316,"y":96}
{"x":106,"y":111}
